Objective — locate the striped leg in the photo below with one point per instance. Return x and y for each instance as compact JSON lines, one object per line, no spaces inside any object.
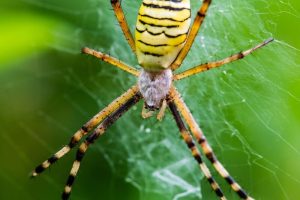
{"x":111,"y":60}
{"x":116,"y":4}
{"x":192,"y":34}
{"x":191,"y":145}
{"x":198,"y":134}
{"x":211,"y":65}
{"x":91,"y":139}
{"x":85,"y":129}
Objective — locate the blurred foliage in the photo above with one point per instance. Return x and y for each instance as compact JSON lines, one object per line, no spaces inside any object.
{"x":249,"y":110}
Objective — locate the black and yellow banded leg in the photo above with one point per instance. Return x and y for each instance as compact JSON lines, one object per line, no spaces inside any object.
{"x":199,"y":136}
{"x":91,"y":139}
{"x":192,"y":34}
{"x":116,"y":4}
{"x":86,"y":128}
{"x":195,"y":152}
{"x":211,"y":65}
{"x":111,"y":60}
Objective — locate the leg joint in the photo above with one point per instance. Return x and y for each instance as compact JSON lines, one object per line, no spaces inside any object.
{"x":113,"y":2}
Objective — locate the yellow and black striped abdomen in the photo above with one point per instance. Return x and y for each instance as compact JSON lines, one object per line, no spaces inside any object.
{"x":161,"y":31}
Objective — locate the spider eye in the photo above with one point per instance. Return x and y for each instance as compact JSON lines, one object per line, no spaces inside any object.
{"x":151,"y":108}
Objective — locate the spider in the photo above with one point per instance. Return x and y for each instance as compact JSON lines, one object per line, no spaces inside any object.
{"x":163,"y":37}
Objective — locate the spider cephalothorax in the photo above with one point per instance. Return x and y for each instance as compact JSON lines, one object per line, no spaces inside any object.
{"x":163,"y":39}
{"x":154,"y":86}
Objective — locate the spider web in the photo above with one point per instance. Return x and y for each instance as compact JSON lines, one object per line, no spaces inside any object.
{"x":249,"y":110}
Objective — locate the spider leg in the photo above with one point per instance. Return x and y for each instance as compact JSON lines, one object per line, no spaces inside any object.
{"x":192,"y":34}
{"x":210,"y":155}
{"x":191,"y":145}
{"x":116,"y":4}
{"x":87,"y":127}
{"x":211,"y":65}
{"x":92,"y":138}
{"x":111,"y":60}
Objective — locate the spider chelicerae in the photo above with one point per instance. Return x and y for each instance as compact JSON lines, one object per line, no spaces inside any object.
{"x":163,"y":37}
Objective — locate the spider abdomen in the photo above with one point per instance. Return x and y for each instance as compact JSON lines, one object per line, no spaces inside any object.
{"x":154,"y":87}
{"x":161,"y":32}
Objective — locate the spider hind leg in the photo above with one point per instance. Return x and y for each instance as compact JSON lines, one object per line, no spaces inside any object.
{"x":210,"y":65}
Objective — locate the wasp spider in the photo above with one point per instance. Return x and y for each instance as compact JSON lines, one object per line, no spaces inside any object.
{"x":163,"y":37}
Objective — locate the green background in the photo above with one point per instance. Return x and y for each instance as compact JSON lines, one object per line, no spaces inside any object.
{"x":249,"y":110}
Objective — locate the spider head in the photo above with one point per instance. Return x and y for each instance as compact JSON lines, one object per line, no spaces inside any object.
{"x":151,"y":108}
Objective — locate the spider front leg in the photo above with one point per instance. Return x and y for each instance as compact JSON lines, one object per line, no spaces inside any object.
{"x":192,"y":34}
{"x":195,"y":152}
{"x":116,"y":4}
{"x":211,"y":65}
{"x":210,"y":155}
{"x":85,"y":129}
{"x":92,"y":138}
